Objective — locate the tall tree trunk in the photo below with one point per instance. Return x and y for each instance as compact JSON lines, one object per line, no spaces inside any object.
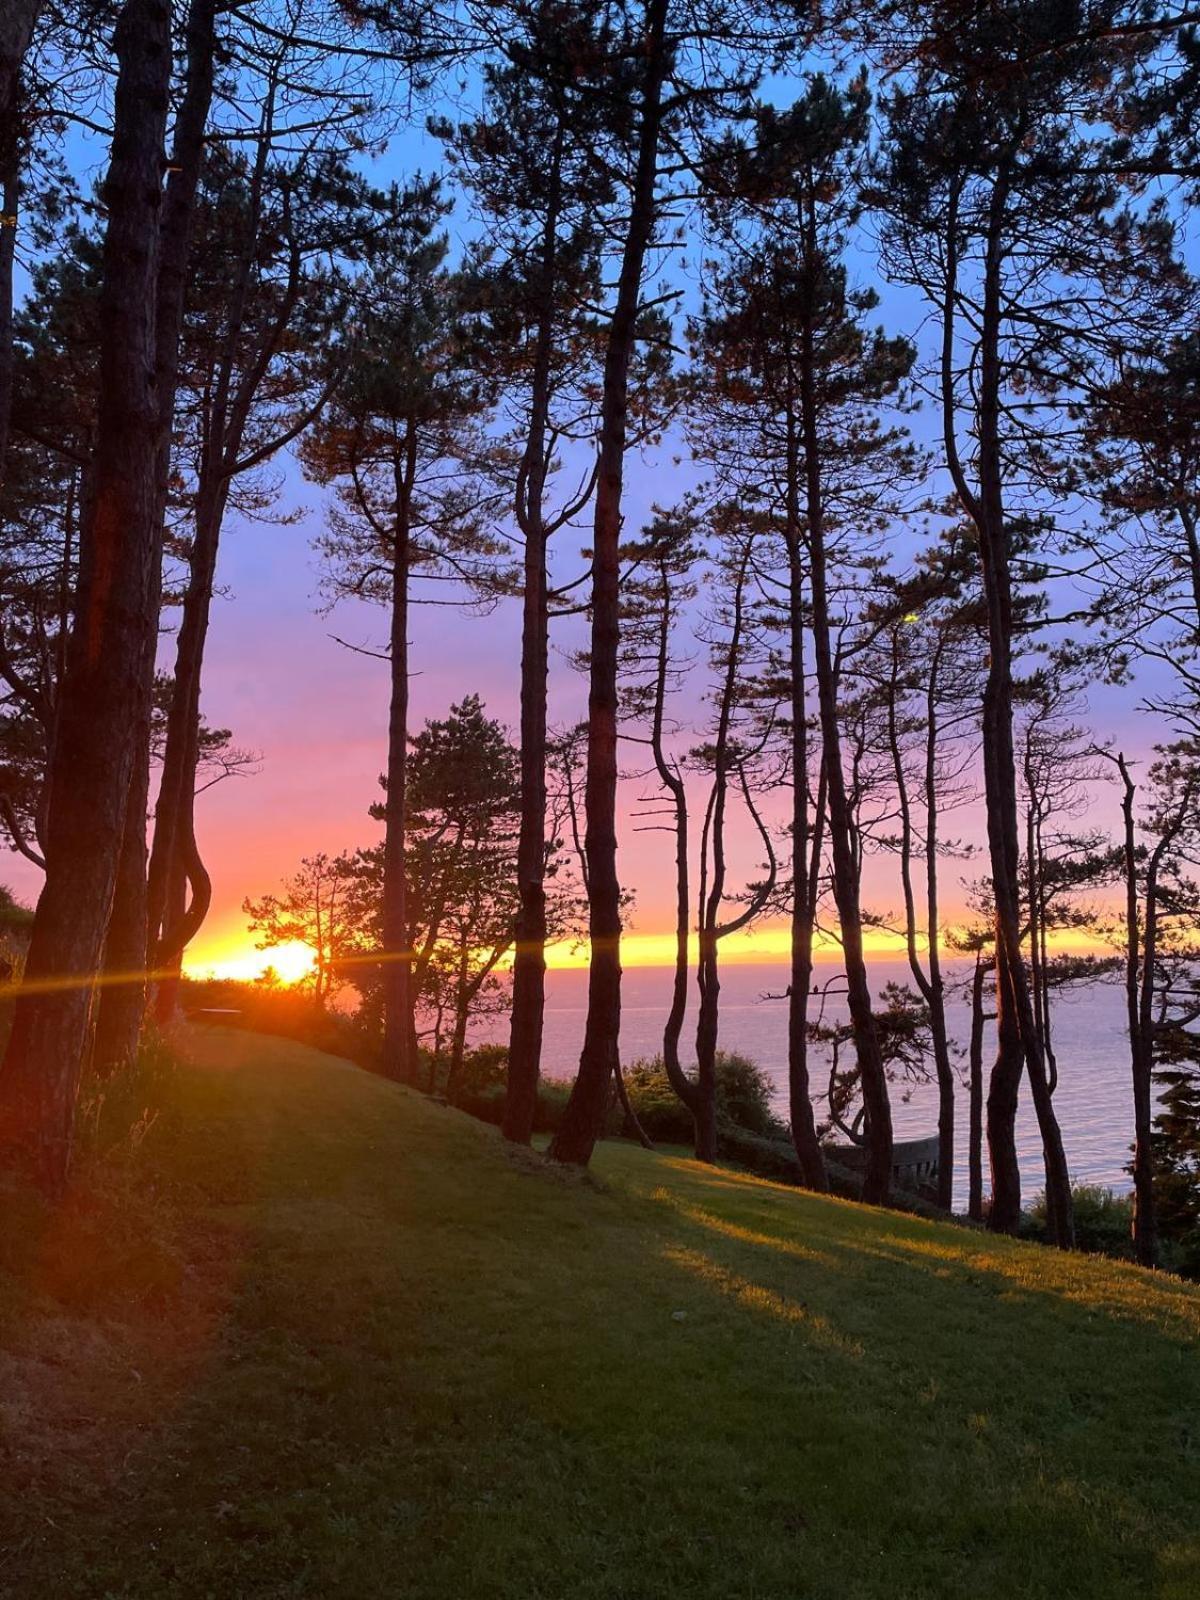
{"x":458,"y":1047}
{"x":929,"y":982}
{"x":975,"y":1091}
{"x":171,"y":928}
{"x":708,"y":979}
{"x":233,"y":383}
{"x":529,"y":955}
{"x":583,"y":1115}
{"x":1016,"y":1024}
{"x":712,"y":892}
{"x":1140,"y":958}
{"x":877,"y":1175}
{"x":17,"y":20}
{"x":116,"y":611}
{"x":121,"y":1004}
{"x":399,"y":1001}
{"x":671,"y":780}
{"x":806,"y":850}
{"x":1016,"y":1031}
{"x":123,"y":995}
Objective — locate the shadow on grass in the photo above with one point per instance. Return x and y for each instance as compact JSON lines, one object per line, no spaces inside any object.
{"x":440,"y":1372}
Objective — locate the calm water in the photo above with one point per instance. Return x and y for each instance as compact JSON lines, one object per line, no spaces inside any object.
{"x":1093,"y":1098}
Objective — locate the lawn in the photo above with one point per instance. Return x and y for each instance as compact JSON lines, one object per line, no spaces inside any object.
{"x":317,"y":1336}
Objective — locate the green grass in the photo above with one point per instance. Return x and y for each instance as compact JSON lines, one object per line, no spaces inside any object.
{"x":318,"y":1337}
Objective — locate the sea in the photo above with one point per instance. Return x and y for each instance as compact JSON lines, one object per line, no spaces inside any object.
{"x":1093,"y":1100}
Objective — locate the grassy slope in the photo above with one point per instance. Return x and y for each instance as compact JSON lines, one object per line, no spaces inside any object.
{"x":370,"y":1354}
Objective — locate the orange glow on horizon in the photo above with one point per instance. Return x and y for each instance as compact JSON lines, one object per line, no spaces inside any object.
{"x":245,"y":963}
{"x":232,"y":955}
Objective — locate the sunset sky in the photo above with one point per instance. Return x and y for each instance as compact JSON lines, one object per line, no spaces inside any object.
{"x":317,"y":712}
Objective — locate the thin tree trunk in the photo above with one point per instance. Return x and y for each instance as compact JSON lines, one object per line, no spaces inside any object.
{"x":174,"y":825}
{"x":1016,"y":1031}
{"x":929,"y":982}
{"x":399,"y":1002}
{"x":529,"y":955}
{"x":116,"y":611}
{"x":17,"y":20}
{"x":632,"y":1120}
{"x":458,"y":1046}
{"x":584,"y":1112}
{"x":174,"y":850}
{"x":1139,"y":996}
{"x":712,"y":894}
{"x":806,"y":850}
{"x":975,"y":1070}
{"x":675,"y":787}
{"x":878,"y":1172}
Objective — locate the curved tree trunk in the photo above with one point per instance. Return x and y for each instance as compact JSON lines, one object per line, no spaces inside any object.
{"x":171,"y":927}
{"x":878,"y":1171}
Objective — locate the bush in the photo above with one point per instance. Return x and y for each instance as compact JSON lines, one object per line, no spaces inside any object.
{"x":1103,"y":1221}
{"x":487,"y":1104}
{"x":743,"y":1099}
{"x":659,"y":1109}
{"x":744,"y":1096}
{"x":483,"y":1068}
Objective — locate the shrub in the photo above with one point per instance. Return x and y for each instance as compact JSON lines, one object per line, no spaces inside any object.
{"x":743,"y":1099}
{"x":487,"y":1103}
{"x":484,"y":1067}
{"x":1102,"y":1221}
{"x":744,"y":1095}
{"x":659,"y":1109}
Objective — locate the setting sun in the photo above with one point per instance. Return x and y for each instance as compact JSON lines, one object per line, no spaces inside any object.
{"x":290,"y":962}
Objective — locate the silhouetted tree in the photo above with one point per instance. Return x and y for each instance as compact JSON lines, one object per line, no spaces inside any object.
{"x":402,"y":443}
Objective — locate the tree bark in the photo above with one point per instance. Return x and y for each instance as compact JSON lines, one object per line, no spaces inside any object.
{"x":123,"y":994}
{"x":975,"y":1070}
{"x":115,"y":613}
{"x":1016,"y":1031}
{"x":671,"y":780}
{"x":1140,"y":957}
{"x":172,"y":927}
{"x":877,"y":1176}
{"x":399,"y":1001}
{"x":928,"y":981}
{"x":529,"y":955}
{"x":121,"y":1003}
{"x":806,"y":847}
{"x":712,"y":893}
{"x":583,"y":1115}
{"x":174,"y":857}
